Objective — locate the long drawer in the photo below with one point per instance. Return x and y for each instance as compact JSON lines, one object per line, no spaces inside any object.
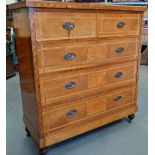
{"x":88,"y":107}
{"x":72,"y":82}
{"x":67,"y":24}
{"x":83,"y":54}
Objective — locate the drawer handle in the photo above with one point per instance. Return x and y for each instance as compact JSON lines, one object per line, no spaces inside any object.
{"x":121,"y":25}
{"x":70,"y":85}
{"x":69,"y":56}
{"x":71,"y":113}
{"x":120,"y":50}
{"x":118,"y":74}
{"x":118,"y":98}
{"x":68,"y":26}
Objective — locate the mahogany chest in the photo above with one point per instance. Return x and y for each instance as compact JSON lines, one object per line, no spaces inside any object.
{"x":78,"y":64}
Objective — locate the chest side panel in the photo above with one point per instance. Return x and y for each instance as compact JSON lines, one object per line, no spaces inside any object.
{"x":26,"y":70}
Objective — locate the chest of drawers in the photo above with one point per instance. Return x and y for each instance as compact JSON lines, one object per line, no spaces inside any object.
{"x":78,"y":66}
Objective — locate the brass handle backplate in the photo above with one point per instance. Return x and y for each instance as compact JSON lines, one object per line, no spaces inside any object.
{"x":120,"y":25}
{"x":71,"y":113}
{"x":69,"y":56}
{"x":118,"y":98}
{"x":68,"y":26}
{"x":120,"y":50}
{"x":118,"y":74}
{"x":70,"y":85}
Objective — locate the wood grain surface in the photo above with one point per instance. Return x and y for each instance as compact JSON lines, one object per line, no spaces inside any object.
{"x":98,"y":84}
{"x":72,"y":5}
{"x":56,"y":116}
{"x":51,"y":56}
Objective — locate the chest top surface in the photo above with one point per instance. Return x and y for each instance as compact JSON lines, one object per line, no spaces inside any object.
{"x":73,"y":5}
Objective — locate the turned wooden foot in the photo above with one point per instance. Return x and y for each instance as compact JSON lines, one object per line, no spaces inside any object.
{"x":131,"y":117}
{"x":43,"y":151}
{"x":27,"y":132}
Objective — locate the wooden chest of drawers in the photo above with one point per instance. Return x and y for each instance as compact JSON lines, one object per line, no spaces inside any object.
{"x":78,"y":66}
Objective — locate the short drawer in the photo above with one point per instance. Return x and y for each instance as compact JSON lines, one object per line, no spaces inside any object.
{"x":111,"y":76}
{"x":69,"y":55}
{"x":120,"y":98}
{"x":65,"y":86}
{"x":61,"y":56}
{"x":64,"y":24}
{"x":118,"y":24}
{"x":64,"y":114}
{"x":70,"y":83}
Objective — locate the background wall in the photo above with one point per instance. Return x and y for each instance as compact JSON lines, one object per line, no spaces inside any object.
{"x":10,"y":1}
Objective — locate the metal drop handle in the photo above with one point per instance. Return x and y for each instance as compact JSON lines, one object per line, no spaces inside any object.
{"x":121,"y":25}
{"x":71,"y":113}
{"x":118,"y":74}
{"x":120,"y":50}
{"x":70,"y":85}
{"x":118,"y":98}
{"x":68,"y":26}
{"x":69,"y":56}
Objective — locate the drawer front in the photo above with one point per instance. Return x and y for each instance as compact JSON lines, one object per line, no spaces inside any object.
{"x":65,"y":86}
{"x":111,"y":76}
{"x":87,"y":107}
{"x":120,"y":98}
{"x":64,"y":114}
{"x":122,"y":49}
{"x":96,"y":105}
{"x":118,"y":24}
{"x":87,"y":80}
{"x":57,"y":25}
{"x":61,"y":56}
{"x":111,"y":100}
